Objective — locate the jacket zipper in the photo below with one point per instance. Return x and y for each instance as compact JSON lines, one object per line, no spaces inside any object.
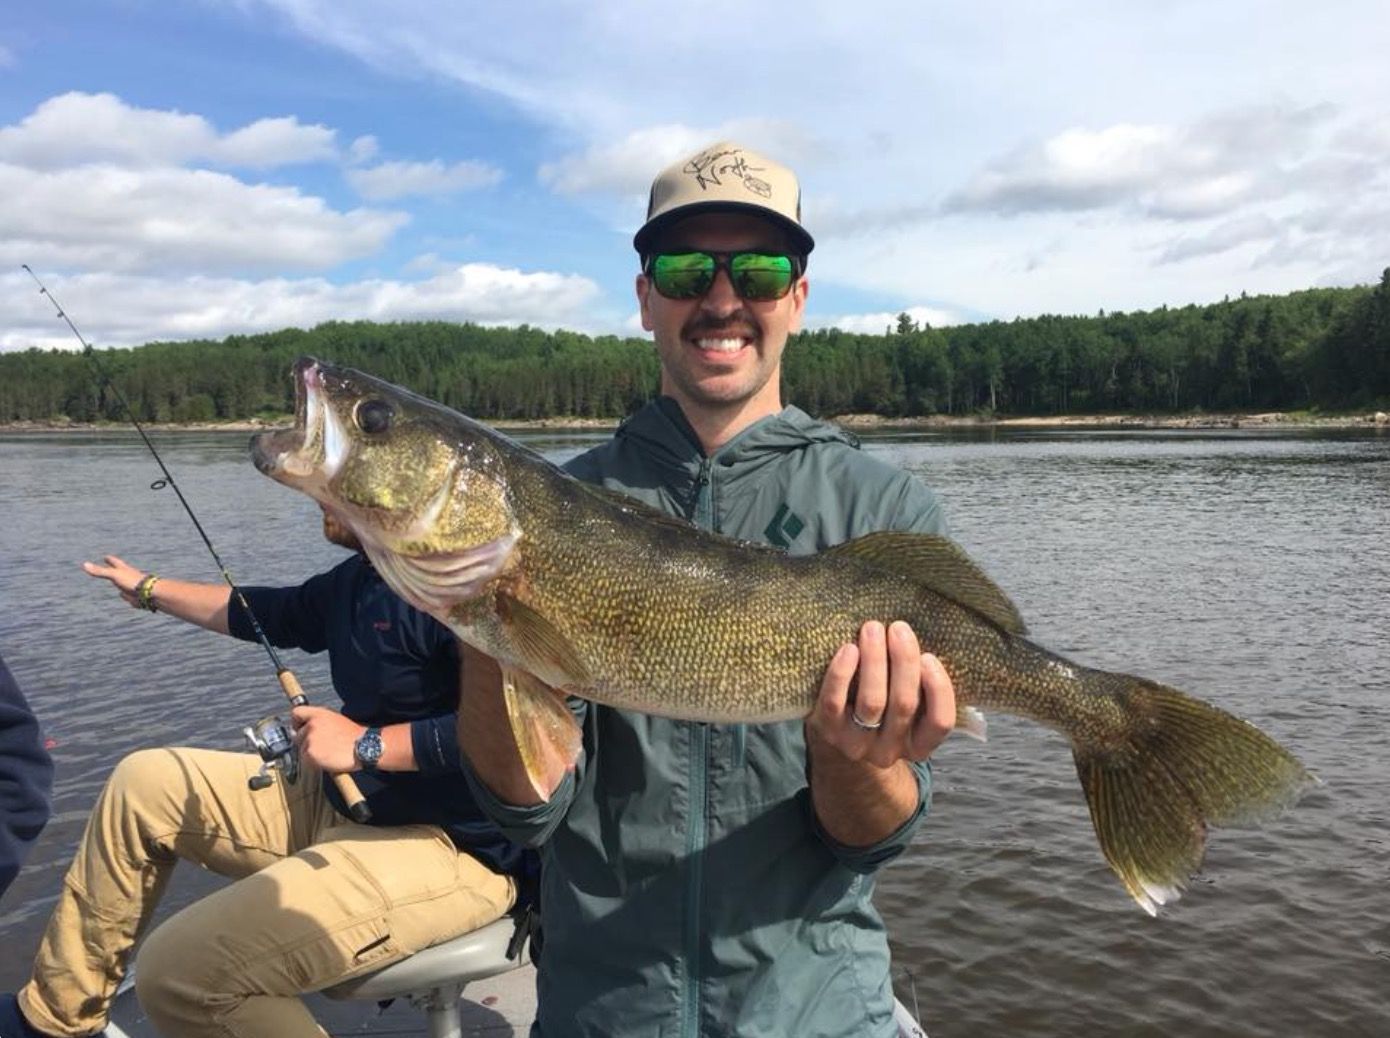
{"x":703,"y":515}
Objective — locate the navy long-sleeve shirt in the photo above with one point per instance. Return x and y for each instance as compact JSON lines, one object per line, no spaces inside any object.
{"x":26,"y":779}
{"x":390,"y":664}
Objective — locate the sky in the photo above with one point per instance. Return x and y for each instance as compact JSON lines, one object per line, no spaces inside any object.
{"x":204,"y":168}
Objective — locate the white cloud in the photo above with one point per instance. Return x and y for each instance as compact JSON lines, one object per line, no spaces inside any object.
{"x":399,"y":179}
{"x":90,"y":182}
{"x":625,"y":166}
{"x":276,"y":142}
{"x":7,"y":59}
{"x":1178,"y":172}
{"x":75,"y":129}
{"x":1077,"y":169}
{"x":876,"y":322}
{"x":1207,"y":196}
{"x":427,"y":263}
{"x":1226,"y":235}
{"x":103,"y":217}
{"x":831,"y":218}
{"x":362,"y":149}
{"x":121,"y":310}
{"x":192,"y":252}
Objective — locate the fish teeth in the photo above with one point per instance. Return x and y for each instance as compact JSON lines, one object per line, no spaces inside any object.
{"x":336,"y":444}
{"x":313,"y":413}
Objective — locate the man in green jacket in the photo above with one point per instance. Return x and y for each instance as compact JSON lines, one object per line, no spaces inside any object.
{"x":717,"y":880}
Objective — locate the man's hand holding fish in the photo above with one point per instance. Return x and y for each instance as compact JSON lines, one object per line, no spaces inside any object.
{"x":883,"y":703}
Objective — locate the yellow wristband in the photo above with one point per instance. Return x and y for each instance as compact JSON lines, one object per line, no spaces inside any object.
{"x":144,"y":592}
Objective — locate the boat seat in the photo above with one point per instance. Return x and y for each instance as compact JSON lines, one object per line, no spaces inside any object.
{"x":434,"y":979}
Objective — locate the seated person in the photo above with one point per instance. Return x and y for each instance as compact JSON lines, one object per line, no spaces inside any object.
{"x":318,"y":897}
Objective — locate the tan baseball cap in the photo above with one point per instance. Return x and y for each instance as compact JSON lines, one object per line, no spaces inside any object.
{"x":725,"y":177}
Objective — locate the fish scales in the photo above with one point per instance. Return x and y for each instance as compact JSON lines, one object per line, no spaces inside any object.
{"x":751,"y":633}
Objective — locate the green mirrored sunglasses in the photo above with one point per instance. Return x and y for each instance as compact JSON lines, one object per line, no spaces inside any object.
{"x":756,"y":276}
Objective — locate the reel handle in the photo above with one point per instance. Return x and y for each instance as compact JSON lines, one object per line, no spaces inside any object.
{"x":345,"y":783}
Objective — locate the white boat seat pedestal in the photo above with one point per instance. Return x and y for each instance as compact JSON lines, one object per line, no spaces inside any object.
{"x":434,"y":979}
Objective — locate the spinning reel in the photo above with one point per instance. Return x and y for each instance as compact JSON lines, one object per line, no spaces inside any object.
{"x":271,"y":739}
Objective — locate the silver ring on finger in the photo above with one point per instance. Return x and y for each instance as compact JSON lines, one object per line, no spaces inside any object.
{"x":860,"y":722}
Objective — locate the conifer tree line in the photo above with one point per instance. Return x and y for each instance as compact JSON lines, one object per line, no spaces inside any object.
{"x":1316,"y":349}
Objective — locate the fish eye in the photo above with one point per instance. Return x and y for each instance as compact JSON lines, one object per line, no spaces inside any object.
{"x":373,"y":416}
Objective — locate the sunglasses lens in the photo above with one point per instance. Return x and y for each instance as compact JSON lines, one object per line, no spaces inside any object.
{"x":683,"y":275}
{"x":760,"y":277}
{"x":755,"y":275}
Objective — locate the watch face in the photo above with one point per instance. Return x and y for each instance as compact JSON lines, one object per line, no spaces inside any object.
{"x":368,"y":747}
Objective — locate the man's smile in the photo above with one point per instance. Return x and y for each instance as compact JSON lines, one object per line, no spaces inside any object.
{"x":726,"y":344}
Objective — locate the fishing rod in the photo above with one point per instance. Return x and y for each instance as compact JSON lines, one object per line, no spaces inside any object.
{"x":268,"y":735}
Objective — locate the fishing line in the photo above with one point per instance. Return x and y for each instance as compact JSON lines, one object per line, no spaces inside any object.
{"x":168,"y":479}
{"x":357,"y":806}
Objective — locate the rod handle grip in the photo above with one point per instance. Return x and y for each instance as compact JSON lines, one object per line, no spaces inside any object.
{"x":357,"y":807}
{"x":293,"y":692}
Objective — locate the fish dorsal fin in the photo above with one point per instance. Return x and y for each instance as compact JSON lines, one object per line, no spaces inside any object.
{"x":545,"y":649}
{"x":939,"y":564}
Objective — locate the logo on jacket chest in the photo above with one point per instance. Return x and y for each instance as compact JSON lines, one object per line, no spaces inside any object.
{"x":784,"y":527}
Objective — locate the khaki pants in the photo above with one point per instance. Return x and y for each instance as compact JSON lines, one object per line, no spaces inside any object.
{"x":317,"y":898}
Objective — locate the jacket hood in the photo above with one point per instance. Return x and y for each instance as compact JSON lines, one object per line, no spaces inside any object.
{"x":673,"y":454}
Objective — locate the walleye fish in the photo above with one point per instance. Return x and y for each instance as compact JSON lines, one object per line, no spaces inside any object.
{"x":586,"y":591}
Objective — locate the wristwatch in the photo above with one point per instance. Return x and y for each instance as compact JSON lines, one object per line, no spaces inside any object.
{"x":367,"y":748}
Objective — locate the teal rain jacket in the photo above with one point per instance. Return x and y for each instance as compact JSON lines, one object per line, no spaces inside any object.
{"x":688,"y":890}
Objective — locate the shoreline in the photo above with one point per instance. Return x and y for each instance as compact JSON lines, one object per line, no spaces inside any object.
{"x":251,"y":425}
{"x":1232,"y":420}
{"x":1223,"y":420}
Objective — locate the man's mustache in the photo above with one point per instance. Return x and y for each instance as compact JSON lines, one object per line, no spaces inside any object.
{"x":739,"y":323}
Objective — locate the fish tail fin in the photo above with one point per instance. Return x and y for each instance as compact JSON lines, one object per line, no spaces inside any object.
{"x":1182,"y":766}
{"x":547,"y":737}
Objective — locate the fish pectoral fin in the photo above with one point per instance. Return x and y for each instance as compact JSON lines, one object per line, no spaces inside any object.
{"x":547,"y":737}
{"x":542,"y":645}
{"x":939,"y":564}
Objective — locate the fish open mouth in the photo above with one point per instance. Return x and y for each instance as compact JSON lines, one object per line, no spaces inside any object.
{"x":296,"y":452}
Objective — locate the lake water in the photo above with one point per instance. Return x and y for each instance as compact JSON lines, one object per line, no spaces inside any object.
{"x":1250,"y":568}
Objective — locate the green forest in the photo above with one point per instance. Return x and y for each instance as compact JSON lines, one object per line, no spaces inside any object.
{"x":1316,"y":350}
